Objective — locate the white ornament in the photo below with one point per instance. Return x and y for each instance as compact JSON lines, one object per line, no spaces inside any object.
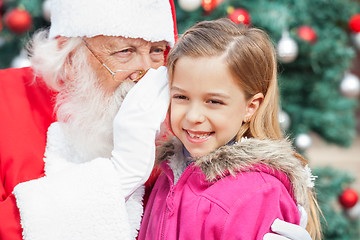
{"x":303,"y":141}
{"x":284,"y":120}
{"x":46,"y":10}
{"x":287,"y":48}
{"x":350,"y":86}
{"x":2,"y":41}
{"x":189,"y":5}
{"x":354,"y":212}
{"x":20,"y":61}
{"x":355,"y":37}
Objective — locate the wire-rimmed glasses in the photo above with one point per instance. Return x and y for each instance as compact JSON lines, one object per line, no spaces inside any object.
{"x":140,"y":73}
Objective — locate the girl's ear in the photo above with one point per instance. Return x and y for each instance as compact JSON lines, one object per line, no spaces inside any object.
{"x":253,"y":105}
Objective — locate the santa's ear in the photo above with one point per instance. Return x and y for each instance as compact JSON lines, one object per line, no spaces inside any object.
{"x":61,"y":41}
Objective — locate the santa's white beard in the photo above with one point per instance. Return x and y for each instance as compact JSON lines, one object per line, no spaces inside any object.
{"x":87,"y":115}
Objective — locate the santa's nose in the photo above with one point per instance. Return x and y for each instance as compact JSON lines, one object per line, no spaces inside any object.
{"x":136,"y":76}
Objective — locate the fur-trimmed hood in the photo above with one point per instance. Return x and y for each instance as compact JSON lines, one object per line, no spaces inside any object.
{"x":243,"y":156}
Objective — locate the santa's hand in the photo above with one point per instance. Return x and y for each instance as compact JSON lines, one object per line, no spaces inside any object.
{"x":136,"y":126}
{"x":287,"y":231}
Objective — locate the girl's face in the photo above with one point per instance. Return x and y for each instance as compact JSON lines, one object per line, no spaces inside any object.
{"x":207,"y":106}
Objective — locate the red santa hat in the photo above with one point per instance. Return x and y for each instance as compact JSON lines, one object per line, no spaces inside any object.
{"x":151,"y":20}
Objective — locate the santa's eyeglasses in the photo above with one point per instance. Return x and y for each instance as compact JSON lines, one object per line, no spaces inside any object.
{"x":116,"y":77}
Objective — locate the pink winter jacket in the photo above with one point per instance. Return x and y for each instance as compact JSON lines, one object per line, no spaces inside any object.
{"x":235,"y":192}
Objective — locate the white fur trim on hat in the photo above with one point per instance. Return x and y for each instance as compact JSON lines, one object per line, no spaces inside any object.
{"x":150,"y":20}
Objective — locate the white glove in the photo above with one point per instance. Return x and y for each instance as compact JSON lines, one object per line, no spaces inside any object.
{"x":136,"y":126}
{"x":289,"y":231}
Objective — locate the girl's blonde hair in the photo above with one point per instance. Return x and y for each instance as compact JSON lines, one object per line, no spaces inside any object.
{"x":251,"y":59}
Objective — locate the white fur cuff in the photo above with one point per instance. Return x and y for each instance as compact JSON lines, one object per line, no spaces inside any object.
{"x":84,"y":202}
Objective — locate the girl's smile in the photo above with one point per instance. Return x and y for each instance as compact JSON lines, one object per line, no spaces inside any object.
{"x":197,"y":136}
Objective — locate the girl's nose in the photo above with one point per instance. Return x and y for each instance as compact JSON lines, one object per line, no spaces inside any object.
{"x":195,"y":114}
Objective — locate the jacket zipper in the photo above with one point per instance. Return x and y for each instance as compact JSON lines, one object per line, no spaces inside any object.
{"x":172,"y":187}
{"x":164,"y":224}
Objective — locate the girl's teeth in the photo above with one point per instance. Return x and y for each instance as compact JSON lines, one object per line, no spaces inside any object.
{"x":199,"y":136}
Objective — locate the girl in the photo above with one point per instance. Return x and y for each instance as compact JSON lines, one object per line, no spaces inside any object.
{"x":228,"y":173}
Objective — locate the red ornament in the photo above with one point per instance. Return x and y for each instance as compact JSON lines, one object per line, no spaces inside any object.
{"x":239,"y":15}
{"x":354,"y":23}
{"x":307,"y":33}
{"x":209,"y":5}
{"x":18,"y":20}
{"x":348,"y":198}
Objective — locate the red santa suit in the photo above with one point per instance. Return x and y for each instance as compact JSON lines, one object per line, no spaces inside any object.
{"x":26,"y":110}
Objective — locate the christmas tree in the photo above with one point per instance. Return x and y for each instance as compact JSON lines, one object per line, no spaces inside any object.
{"x":19,"y":20}
{"x":316,"y":41}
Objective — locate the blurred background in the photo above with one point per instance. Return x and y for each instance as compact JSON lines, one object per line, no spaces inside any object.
{"x":318,"y":47}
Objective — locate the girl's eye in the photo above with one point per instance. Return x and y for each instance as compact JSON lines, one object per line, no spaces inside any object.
{"x":180,"y":97}
{"x":215,"y":102}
